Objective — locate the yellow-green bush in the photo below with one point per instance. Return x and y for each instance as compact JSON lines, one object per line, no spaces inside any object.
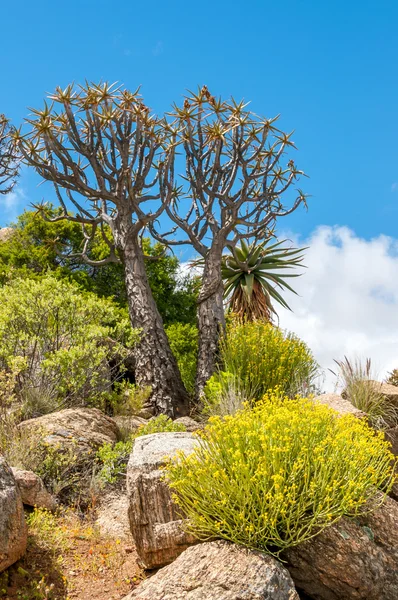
{"x":275,"y":475}
{"x":255,"y":358}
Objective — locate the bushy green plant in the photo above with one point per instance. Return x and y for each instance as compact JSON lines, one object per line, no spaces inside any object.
{"x":113,"y":459}
{"x":275,"y":475}
{"x":66,"y":339}
{"x":365,"y":393}
{"x":256,"y":357}
{"x":127,"y":399}
{"x":392,"y":377}
{"x":183,"y":340}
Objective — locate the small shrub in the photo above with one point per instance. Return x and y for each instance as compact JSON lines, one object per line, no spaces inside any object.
{"x":183,"y":340}
{"x":255,"y":358}
{"x":66,"y":340}
{"x":392,"y":378}
{"x":127,"y":399}
{"x":113,"y":459}
{"x":358,"y":382}
{"x":275,"y":475}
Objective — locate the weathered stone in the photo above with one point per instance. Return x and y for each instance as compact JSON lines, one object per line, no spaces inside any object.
{"x":87,"y":428}
{"x":219,"y":571}
{"x":392,"y":436}
{"x":387,"y":390}
{"x":33,"y":491}
{"x":339,"y":404}
{"x":155,"y":520}
{"x":129,"y":423}
{"x":112,"y":517}
{"x":13,"y":531}
{"x":190,"y":424}
{"x":351,"y":560}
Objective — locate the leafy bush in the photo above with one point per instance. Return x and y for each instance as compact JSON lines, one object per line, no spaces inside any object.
{"x":360,"y":389}
{"x":275,"y":475}
{"x":113,"y":459}
{"x":255,"y":358}
{"x":392,"y":378}
{"x":64,"y":338}
{"x":127,"y":398}
{"x":183,"y":340}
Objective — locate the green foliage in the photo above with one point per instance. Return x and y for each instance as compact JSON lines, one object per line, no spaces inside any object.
{"x":252,"y":275}
{"x":275,"y":475}
{"x":113,"y":459}
{"x":38,"y":246}
{"x":392,"y":378}
{"x":256,"y":357}
{"x":64,"y":338}
{"x":364,"y":392}
{"x":183,"y":340}
{"x":127,"y":398}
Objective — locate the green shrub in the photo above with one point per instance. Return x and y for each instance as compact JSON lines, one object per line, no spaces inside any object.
{"x":183,"y":340}
{"x":257,"y":357}
{"x":65,"y":340}
{"x":275,"y":475}
{"x":113,"y":459}
{"x":127,"y":399}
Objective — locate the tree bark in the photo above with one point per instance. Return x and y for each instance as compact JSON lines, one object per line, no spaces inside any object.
{"x":211,"y":318}
{"x":155,"y":364}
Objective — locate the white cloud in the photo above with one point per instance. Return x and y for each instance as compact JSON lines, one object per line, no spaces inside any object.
{"x":11,"y":205}
{"x":348,"y":302}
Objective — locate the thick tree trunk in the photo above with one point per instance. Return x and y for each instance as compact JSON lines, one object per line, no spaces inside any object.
{"x":155,"y":364}
{"x":211,"y":319}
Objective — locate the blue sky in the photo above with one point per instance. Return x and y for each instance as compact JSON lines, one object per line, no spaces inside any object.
{"x":329,"y":68}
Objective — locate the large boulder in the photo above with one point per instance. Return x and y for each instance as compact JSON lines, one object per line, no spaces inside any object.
{"x":387,"y":390}
{"x":339,"y":404}
{"x":13,"y":531}
{"x":351,"y":560}
{"x":219,"y":571}
{"x":85,"y":428}
{"x":155,"y":520}
{"x":33,"y":491}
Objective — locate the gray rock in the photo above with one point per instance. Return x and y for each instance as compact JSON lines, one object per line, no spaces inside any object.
{"x":88,"y":428}
{"x":339,"y":404}
{"x":13,"y":531}
{"x":351,"y":560}
{"x":219,"y":571}
{"x":33,"y":491}
{"x":155,"y":520}
{"x":190,"y":424}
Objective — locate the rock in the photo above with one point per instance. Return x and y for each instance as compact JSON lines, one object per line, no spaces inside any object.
{"x":13,"y":530}
{"x":130,"y":424}
{"x":87,"y":428}
{"x":351,"y":560}
{"x":33,"y":491}
{"x":339,"y":404}
{"x":387,"y":390}
{"x":190,"y":424}
{"x":219,"y":571}
{"x":392,"y":436}
{"x":112,"y":517}
{"x":155,"y":521}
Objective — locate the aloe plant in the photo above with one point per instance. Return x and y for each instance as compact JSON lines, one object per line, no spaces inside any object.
{"x":254,"y":276}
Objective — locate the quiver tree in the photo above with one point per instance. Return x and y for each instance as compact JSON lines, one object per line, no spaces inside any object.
{"x":107,"y":158}
{"x":8,"y":157}
{"x":234,"y":188}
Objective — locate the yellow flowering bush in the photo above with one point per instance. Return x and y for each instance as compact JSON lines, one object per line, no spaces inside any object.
{"x":256,"y":358}
{"x":272,"y":476}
